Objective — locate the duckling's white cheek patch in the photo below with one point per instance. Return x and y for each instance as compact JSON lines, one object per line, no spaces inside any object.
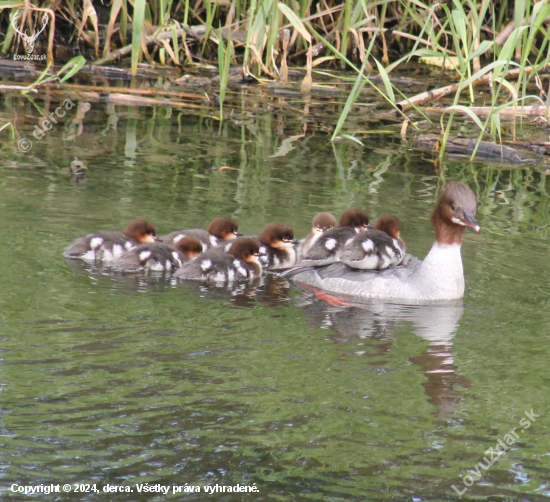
{"x":368,"y":246}
{"x":457,"y":221}
{"x":144,"y":255}
{"x":206,"y":265}
{"x":95,"y":242}
{"x":331,"y":244}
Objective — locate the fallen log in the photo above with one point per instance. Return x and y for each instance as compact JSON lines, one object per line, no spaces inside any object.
{"x":487,"y":151}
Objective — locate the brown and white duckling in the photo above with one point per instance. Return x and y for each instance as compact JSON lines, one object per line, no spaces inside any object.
{"x":158,"y":256}
{"x":322,"y":222}
{"x":220,"y":229}
{"x":110,"y":245}
{"x":375,"y":249}
{"x":328,"y":246}
{"x":277,"y":246}
{"x":241,"y":262}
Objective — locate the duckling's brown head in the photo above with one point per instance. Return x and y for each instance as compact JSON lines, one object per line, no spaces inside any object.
{"x":389,"y":224}
{"x":224,"y":228}
{"x":246,"y":249}
{"x":322,"y":222}
{"x":354,"y":218}
{"x":277,"y":235}
{"x":189,"y":247}
{"x":141,"y":231}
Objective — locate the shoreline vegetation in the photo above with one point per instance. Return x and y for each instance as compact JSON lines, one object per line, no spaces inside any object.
{"x":500,"y":47}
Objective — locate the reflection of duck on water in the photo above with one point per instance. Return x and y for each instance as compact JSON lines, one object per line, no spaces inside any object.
{"x":435,"y":322}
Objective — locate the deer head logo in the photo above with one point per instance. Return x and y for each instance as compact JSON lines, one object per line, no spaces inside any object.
{"x":29,"y":41}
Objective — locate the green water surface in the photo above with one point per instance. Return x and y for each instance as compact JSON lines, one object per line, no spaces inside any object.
{"x":124,"y":381}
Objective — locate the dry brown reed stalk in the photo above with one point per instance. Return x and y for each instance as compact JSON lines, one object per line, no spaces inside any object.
{"x":406,"y":104}
{"x":510,"y":111}
{"x":284,"y":66}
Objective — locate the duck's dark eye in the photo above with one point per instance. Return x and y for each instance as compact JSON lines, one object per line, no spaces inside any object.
{"x":452,"y":207}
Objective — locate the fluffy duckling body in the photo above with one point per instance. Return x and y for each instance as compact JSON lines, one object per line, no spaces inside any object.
{"x":322,"y":222}
{"x":328,"y":246}
{"x":220,"y":229}
{"x":158,"y":256}
{"x":110,"y":245}
{"x":216,"y":265}
{"x":375,"y":249}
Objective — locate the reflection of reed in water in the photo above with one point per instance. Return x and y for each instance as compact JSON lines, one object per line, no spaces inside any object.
{"x":435,"y":322}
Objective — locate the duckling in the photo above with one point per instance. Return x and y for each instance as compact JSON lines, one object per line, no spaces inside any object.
{"x":322,"y":222}
{"x":216,"y":265}
{"x":277,"y":246}
{"x":109,"y":245}
{"x":375,"y":249}
{"x":329,"y":245}
{"x":219,"y":229}
{"x":158,"y":256}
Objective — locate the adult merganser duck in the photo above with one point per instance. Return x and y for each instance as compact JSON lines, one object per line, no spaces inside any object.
{"x":277,"y":246}
{"x":439,"y":277}
{"x":108,"y":246}
{"x":322,"y":222}
{"x":158,"y":256}
{"x":219,"y":229}
{"x":375,"y":249}
{"x":219,"y":266}
{"x":329,"y":245}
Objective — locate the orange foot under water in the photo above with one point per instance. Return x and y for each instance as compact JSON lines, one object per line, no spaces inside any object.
{"x":332,"y":300}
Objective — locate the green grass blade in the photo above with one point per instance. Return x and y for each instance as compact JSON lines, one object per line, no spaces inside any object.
{"x":466,"y":110}
{"x":357,"y":88}
{"x":353,"y":138}
{"x":295,"y":21}
{"x":386,"y":80}
{"x":73,"y":66}
{"x":137,"y":28}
